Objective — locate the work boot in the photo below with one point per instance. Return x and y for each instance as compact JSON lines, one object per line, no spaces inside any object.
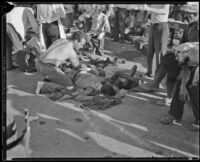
{"x":169,"y":119}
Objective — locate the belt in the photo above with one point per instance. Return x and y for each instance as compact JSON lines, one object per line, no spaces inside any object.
{"x":47,"y":64}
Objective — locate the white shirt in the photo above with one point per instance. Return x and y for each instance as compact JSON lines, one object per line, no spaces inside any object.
{"x":59,"y":51}
{"x":50,"y":13}
{"x":68,"y":9}
{"x":158,"y":18}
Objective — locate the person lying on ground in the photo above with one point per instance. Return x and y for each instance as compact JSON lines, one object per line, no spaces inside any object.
{"x":87,"y":85}
{"x":62,"y":49}
{"x":98,"y":65}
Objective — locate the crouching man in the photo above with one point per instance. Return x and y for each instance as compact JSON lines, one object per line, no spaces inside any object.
{"x":187,"y":86}
{"x":49,"y":62}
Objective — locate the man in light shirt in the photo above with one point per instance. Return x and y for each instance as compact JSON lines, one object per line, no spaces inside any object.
{"x":49,"y":15}
{"x":159,"y":34}
{"x":158,"y":40}
{"x":49,"y":62}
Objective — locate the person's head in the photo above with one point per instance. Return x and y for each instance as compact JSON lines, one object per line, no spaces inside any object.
{"x":188,"y":53}
{"x":108,"y":90}
{"x":128,"y":13}
{"x":123,"y":83}
{"x":79,"y":39}
{"x":98,"y":9}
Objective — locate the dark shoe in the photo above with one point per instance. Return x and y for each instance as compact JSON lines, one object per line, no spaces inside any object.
{"x":169,"y":119}
{"x":46,"y":80}
{"x":195,"y":126}
{"x":148,"y":74}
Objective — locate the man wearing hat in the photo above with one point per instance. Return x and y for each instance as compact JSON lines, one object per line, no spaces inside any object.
{"x":187,"y":87}
{"x":191,"y":34}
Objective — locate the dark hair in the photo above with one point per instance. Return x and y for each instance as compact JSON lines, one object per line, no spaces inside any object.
{"x":79,"y":35}
{"x":108,"y":90}
{"x":128,"y":86}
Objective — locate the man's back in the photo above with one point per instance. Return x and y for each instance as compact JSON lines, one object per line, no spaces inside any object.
{"x":59,"y":51}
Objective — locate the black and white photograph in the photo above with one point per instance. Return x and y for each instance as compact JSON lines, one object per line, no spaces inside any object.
{"x":100,"y":80}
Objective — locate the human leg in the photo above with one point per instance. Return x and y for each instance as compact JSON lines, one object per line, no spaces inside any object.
{"x":54,"y":74}
{"x":101,"y":46}
{"x":176,"y":108}
{"x":150,"y":53}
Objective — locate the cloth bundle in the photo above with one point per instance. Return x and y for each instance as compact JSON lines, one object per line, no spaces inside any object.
{"x":102,"y":102}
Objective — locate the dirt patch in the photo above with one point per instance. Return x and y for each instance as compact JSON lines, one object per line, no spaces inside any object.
{"x":42,"y":122}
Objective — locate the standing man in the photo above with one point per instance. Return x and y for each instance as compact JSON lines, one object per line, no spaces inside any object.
{"x":159,"y":35}
{"x":100,"y":26}
{"x":119,"y":22}
{"x":52,"y":19}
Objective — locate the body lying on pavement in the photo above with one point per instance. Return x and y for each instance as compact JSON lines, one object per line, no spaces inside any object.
{"x":87,"y":85}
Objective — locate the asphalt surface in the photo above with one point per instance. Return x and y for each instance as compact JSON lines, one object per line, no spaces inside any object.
{"x":131,"y":129}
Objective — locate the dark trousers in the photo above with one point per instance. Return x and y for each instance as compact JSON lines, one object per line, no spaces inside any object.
{"x":177,"y":106}
{"x":158,"y":40}
{"x":122,"y":17}
{"x":9,"y":61}
{"x":47,"y":36}
{"x":116,"y":25}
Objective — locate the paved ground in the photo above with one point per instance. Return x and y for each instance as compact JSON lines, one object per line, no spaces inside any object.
{"x":131,"y":129}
